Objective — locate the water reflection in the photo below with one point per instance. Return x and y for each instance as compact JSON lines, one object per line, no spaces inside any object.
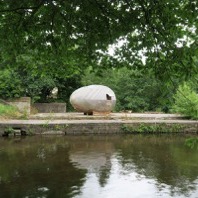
{"x":38,"y":168}
{"x":98,"y":166}
{"x":165,"y":160}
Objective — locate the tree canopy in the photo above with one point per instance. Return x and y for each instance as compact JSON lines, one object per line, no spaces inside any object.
{"x":64,"y":37}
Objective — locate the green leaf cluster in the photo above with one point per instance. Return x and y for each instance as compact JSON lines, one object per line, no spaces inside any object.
{"x":192,"y":142}
{"x":186,"y":101}
{"x":10,"y":84}
{"x":64,"y":36}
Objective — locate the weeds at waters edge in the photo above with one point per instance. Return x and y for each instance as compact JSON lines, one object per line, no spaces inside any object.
{"x":9,"y":131}
{"x":192,"y":143}
{"x":56,"y":127}
{"x":154,"y":128}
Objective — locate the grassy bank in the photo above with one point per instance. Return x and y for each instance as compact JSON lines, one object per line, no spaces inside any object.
{"x":7,"y":111}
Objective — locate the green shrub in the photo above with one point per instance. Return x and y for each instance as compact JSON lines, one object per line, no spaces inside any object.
{"x":38,"y":87}
{"x":186,"y":101}
{"x":10,"y":84}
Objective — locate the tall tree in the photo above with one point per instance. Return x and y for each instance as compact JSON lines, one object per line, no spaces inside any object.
{"x":65,"y":36}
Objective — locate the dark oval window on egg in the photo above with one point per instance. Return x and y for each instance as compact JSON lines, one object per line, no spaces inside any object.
{"x":108,"y":97}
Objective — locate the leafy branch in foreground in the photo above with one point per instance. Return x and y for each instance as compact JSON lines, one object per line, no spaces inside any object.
{"x":74,"y":32}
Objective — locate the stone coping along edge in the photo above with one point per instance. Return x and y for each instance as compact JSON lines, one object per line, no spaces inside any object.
{"x":63,"y":127}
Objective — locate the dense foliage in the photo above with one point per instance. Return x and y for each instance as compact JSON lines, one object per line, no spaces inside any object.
{"x":19,"y":83}
{"x":50,"y":43}
{"x":135,"y":90}
{"x":65,"y":36}
{"x":10,"y":85}
{"x":186,"y":101}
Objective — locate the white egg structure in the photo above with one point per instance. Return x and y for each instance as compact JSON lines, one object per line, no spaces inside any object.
{"x":93,"y":98}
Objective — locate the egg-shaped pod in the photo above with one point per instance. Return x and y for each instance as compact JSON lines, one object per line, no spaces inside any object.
{"x":93,"y":98}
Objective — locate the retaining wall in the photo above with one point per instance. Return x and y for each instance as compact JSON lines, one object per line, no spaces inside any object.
{"x":50,"y":107}
{"x":23,"y":104}
{"x":102,"y":127}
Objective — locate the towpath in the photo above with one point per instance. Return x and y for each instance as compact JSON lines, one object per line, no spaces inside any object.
{"x":63,"y":123}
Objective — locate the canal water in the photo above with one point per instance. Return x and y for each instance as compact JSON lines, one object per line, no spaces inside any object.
{"x":124,"y":166}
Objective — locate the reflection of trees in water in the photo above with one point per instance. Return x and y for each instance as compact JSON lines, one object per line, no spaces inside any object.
{"x":39,"y":168}
{"x":94,"y":155}
{"x":94,"y":162}
{"x":164,"y":158}
{"x":104,"y":172}
{"x":52,"y":167}
{"x":57,"y":167}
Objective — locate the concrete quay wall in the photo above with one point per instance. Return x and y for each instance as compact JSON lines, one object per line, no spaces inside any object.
{"x":64,"y":127}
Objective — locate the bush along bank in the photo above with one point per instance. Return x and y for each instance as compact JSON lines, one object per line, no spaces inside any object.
{"x":158,"y":128}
